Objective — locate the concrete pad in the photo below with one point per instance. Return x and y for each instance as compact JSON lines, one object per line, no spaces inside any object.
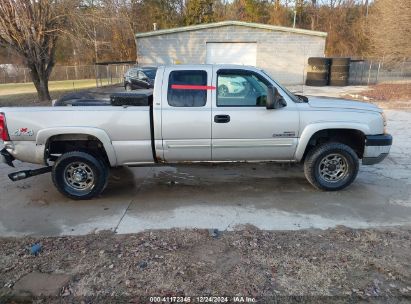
{"x":41,"y":284}
{"x":262,"y":198}
{"x":35,"y":207}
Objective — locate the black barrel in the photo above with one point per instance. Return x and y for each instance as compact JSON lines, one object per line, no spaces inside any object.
{"x":318,"y":71}
{"x":339,"y":71}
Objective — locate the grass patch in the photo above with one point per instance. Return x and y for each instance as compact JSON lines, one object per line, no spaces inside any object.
{"x":19,"y":94}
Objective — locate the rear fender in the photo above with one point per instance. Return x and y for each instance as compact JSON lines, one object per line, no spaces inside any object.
{"x":45,"y":134}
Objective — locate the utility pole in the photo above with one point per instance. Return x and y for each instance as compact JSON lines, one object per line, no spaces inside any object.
{"x":295,"y":15}
{"x":366,"y":9}
{"x":94,"y":32}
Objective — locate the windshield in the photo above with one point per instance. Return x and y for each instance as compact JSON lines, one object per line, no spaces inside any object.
{"x":291,"y":95}
{"x":150,"y":73}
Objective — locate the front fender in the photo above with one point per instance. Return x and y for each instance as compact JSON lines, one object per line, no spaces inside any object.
{"x":45,"y":134}
{"x":313,"y":128}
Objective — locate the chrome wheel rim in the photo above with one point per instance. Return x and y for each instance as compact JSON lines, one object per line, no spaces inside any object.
{"x":222,"y":91}
{"x":333,"y":168}
{"x":79,"y":176}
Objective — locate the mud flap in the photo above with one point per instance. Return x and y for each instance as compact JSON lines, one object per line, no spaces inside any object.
{"x":6,"y":157}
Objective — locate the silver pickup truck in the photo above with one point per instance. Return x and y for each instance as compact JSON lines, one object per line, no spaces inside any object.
{"x":197,"y":113}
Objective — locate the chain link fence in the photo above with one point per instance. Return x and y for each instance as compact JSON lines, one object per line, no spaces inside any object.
{"x":367,"y":72}
{"x":103,"y":74}
{"x":362,"y":72}
{"x":110,"y":74}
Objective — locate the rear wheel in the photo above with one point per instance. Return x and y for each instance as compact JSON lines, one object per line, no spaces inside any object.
{"x":331,"y":166}
{"x":79,"y":175}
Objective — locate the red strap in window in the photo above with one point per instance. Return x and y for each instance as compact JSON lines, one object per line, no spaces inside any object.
{"x":191,"y":87}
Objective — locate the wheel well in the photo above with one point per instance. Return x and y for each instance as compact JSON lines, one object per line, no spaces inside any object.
{"x":350,"y":137}
{"x":59,"y":144}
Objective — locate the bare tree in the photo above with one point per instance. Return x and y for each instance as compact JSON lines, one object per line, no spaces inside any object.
{"x":31,"y":28}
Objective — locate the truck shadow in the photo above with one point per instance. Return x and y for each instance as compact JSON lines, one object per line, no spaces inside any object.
{"x":167,"y":187}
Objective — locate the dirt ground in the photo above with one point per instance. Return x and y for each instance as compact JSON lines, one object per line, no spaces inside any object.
{"x":389,"y":92}
{"x":319,"y":266}
{"x":385,"y":95}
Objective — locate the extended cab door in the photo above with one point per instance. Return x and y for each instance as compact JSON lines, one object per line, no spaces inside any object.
{"x":242,"y":128}
{"x":186,"y":113}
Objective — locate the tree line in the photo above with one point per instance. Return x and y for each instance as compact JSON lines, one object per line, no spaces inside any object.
{"x":42,"y":33}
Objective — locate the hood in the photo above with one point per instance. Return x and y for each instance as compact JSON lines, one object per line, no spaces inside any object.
{"x":335,"y":103}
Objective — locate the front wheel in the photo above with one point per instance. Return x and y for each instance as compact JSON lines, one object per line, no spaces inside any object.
{"x":331,"y":166}
{"x":79,"y":175}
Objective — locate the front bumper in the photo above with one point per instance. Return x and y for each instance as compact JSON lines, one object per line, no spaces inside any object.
{"x":376,"y":148}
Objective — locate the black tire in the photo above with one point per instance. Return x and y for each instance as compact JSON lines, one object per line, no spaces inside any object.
{"x":316,"y":83}
{"x":314,"y":161}
{"x":94,"y":170}
{"x":318,"y":64}
{"x":317,"y":79}
{"x":338,"y":82}
{"x":338,"y":76}
{"x":340,"y":69}
{"x":317,"y":76}
{"x":319,"y":61}
{"x":342,"y":61}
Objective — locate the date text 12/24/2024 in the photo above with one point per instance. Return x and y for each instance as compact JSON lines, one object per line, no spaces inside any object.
{"x":203,"y":299}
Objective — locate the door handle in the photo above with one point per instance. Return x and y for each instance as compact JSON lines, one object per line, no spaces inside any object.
{"x":222,"y":118}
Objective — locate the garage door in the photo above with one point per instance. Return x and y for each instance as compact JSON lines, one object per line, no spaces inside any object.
{"x":232,"y":53}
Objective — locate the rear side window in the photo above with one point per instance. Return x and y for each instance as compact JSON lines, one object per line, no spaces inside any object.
{"x":187,"y":88}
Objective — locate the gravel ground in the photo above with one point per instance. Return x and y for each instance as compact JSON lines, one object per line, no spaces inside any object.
{"x":312,"y":266}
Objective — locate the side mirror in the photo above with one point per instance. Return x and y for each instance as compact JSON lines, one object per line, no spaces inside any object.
{"x":274,"y":99}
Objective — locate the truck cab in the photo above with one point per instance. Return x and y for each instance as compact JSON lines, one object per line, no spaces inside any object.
{"x":198,"y":123}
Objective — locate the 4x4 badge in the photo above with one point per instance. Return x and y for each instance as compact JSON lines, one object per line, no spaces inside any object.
{"x":23,"y":132}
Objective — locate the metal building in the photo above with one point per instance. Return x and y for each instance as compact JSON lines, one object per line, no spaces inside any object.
{"x":280,"y":51}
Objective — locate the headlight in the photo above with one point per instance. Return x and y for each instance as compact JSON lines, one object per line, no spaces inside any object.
{"x":384,"y":119}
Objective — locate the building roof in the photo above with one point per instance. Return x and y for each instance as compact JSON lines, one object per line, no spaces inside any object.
{"x":227,"y":23}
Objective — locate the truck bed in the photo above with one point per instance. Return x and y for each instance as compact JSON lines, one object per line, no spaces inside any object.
{"x":127,"y":128}
{"x":137,"y":98}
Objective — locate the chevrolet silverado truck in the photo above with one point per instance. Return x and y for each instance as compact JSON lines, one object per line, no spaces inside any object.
{"x":186,"y":120}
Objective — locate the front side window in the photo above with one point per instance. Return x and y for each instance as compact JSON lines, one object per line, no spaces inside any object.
{"x":241,"y":89}
{"x":187,"y":88}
